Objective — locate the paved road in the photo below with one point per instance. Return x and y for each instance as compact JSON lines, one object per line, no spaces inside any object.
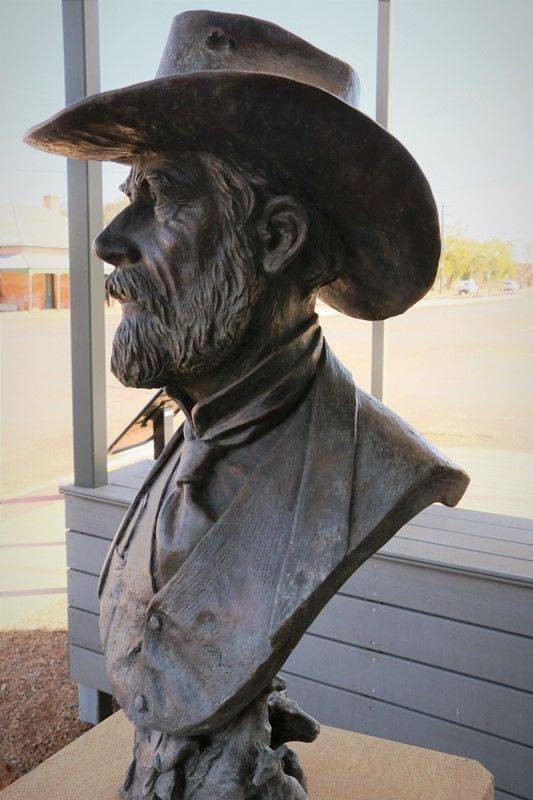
{"x":460,"y":372}
{"x":36,"y":432}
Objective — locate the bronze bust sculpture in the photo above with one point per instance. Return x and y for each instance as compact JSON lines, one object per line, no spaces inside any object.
{"x":256,"y":185}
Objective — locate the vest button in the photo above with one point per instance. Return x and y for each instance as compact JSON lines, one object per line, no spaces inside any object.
{"x":154,"y":622}
{"x":140,"y":703}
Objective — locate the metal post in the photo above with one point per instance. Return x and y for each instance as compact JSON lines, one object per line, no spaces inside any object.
{"x":85,"y":214}
{"x":377,"y":381}
{"x":163,"y":426}
{"x":377,"y":374}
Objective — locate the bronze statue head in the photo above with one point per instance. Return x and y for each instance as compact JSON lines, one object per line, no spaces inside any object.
{"x":209,"y":255}
{"x":237,"y":90}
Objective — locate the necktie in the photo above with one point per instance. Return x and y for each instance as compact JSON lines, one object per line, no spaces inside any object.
{"x":184,"y":518}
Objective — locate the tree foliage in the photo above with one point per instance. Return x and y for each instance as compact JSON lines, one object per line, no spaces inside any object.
{"x":487,"y":262}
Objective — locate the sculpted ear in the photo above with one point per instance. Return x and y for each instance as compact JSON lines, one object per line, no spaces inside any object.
{"x":282,"y":231}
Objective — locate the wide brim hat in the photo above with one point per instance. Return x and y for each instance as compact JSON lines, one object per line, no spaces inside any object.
{"x":244,"y":88}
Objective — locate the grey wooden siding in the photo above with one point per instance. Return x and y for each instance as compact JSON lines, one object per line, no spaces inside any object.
{"x":430,"y":642}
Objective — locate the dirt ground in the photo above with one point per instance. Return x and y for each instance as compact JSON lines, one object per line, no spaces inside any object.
{"x":38,"y":703}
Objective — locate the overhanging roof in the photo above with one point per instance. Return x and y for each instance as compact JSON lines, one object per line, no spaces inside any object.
{"x":34,"y":262}
{"x":38,"y":263}
{"x":32,"y":226}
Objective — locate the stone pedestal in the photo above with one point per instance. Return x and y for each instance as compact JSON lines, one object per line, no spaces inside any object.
{"x":340,"y":766}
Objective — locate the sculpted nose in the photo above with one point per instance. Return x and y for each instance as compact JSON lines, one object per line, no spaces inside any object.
{"x":115,"y":249}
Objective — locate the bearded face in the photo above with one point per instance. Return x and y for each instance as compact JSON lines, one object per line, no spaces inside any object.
{"x":185,"y":269}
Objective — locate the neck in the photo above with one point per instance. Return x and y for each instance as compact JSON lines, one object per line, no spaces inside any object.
{"x":276,"y":320}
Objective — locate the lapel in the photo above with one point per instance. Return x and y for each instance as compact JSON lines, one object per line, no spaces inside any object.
{"x":126,"y":527}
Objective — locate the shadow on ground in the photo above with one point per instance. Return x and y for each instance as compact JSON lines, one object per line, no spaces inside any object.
{"x":38,"y":703}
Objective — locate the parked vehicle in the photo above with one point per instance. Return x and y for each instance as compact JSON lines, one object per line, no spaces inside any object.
{"x":468,"y":286}
{"x":510,"y":286}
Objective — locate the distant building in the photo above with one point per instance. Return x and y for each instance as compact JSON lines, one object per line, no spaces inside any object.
{"x":34,"y":266}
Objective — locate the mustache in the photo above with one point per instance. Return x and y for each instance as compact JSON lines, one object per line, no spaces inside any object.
{"x":135,"y":285}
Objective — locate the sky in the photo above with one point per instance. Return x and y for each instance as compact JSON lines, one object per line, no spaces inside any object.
{"x":460,"y":97}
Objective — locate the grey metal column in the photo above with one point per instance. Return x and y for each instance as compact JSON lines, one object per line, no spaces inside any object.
{"x":82,"y":77}
{"x":377,"y":381}
{"x":87,"y":321}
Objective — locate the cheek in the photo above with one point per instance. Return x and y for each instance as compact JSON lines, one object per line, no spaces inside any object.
{"x":185,"y":245}
{"x":169,"y":254}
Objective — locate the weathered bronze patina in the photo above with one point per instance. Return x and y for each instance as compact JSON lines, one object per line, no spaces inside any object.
{"x":255,"y":186}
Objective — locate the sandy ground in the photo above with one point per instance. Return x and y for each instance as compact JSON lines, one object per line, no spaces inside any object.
{"x":36,"y":429}
{"x":458,"y":369}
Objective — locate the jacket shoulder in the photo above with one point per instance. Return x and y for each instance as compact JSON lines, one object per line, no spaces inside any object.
{"x":397,"y":473}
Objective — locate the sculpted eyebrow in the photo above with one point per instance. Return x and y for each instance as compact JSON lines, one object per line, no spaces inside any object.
{"x":171,"y":179}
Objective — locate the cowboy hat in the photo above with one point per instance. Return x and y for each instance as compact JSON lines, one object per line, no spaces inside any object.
{"x":246,"y":88}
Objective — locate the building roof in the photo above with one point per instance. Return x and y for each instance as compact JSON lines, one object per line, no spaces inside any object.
{"x":34,"y":262}
{"x":32,"y":226}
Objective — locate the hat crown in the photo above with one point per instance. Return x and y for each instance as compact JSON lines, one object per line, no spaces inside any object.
{"x":209,"y":40}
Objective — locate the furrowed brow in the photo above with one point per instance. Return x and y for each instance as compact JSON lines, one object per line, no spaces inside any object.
{"x":174,"y":178}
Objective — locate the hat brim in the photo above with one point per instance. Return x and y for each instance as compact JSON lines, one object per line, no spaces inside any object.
{"x":354,"y":170}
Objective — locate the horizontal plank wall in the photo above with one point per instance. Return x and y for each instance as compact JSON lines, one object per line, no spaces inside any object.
{"x":430,"y":642}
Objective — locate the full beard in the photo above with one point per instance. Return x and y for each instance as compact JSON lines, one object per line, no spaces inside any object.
{"x":158,"y":342}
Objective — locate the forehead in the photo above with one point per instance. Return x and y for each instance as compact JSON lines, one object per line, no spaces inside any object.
{"x":168,"y":172}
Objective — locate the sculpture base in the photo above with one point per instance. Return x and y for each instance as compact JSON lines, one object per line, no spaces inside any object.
{"x":340,"y":766}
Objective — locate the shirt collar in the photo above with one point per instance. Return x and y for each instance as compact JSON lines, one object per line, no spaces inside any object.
{"x":262,"y":397}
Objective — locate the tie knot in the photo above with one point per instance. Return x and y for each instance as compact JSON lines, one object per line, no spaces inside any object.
{"x":197,"y":460}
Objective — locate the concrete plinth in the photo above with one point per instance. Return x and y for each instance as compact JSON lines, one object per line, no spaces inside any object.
{"x":339,"y":765}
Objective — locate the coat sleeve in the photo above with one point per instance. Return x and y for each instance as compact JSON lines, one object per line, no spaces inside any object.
{"x":397,"y":474}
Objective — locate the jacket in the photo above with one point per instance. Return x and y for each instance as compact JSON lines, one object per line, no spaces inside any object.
{"x":347,"y":474}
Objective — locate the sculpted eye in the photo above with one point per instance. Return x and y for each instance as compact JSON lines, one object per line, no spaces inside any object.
{"x":152,"y":191}
{"x":157,"y":186}
{"x":162,"y":180}
{"x":158,"y":181}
